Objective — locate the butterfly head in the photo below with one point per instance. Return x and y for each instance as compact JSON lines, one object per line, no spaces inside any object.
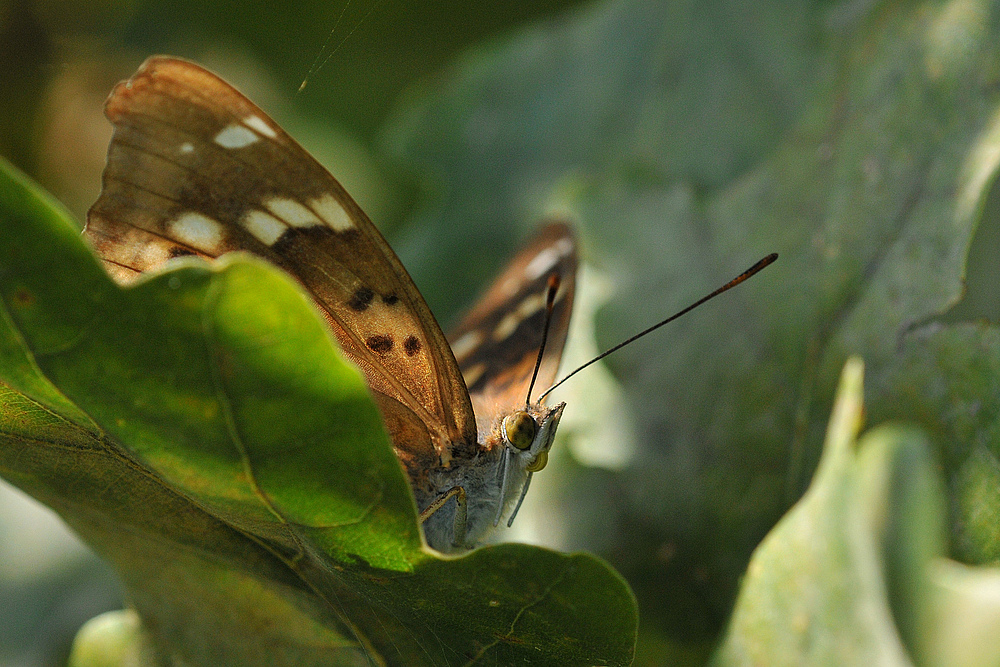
{"x":527,"y":437}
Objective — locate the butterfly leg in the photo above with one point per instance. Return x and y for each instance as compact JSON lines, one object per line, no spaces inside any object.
{"x":461,"y":511}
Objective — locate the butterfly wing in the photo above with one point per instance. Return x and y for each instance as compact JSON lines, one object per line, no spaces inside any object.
{"x":194,"y":167}
{"x":496,"y":343}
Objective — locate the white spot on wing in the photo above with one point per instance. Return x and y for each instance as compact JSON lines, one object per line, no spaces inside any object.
{"x":507,"y":326}
{"x":548,"y":258}
{"x":265,"y":227}
{"x":468,"y":342}
{"x":473,"y":374}
{"x":258,"y":123}
{"x":185,"y":148}
{"x":235,"y":136}
{"x":332,"y":212}
{"x":196,"y":230}
{"x":148,"y":255}
{"x":531,"y":305}
{"x":292,"y":212}
{"x":528,"y":307}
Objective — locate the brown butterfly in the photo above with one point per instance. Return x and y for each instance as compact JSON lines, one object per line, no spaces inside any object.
{"x":195,"y":168}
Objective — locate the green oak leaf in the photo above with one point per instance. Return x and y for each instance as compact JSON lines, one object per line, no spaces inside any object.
{"x":856,"y":573}
{"x":201,"y":432}
{"x":686,"y":140}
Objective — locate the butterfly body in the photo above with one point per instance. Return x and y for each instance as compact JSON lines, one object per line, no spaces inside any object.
{"x":493,"y":481}
{"x":195,"y":168}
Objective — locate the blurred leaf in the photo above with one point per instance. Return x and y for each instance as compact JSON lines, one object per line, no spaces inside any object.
{"x":948,"y":379}
{"x":854,"y":574}
{"x":963,"y":625}
{"x":113,"y":639}
{"x":857,"y":140}
{"x":202,"y":433}
{"x":537,"y":122}
{"x":815,"y":590}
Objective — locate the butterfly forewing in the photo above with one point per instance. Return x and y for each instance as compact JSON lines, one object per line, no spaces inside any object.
{"x":196,"y":168}
{"x":496,"y":343}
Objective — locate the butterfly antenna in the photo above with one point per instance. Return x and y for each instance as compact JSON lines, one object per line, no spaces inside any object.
{"x":314,"y":68}
{"x":550,"y":300}
{"x":728,"y":286}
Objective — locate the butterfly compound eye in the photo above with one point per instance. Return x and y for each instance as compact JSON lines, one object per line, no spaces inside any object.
{"x":519,"y":428}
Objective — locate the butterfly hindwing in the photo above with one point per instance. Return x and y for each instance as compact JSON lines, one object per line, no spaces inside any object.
{"x":496,"y":343}
{"x":196,"y":168}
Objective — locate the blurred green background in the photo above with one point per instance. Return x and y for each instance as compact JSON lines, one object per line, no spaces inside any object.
{"x":61,"y":57}
{"x":686,"y":139}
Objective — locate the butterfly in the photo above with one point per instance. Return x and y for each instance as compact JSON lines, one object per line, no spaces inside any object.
{"x":195,"y":168}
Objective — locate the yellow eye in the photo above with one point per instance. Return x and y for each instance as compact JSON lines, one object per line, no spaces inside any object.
{"x":539,"y":462}
{"x":519,"y":428}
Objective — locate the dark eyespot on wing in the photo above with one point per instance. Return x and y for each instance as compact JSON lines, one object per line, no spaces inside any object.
{"x":380,"y":344}
{"x":360,"y":301}
{"x":390,"y":299}
{"x":411,"y":345}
